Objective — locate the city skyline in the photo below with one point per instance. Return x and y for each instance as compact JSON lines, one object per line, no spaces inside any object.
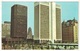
{"x":69,"y":11}
{"x":49,"y":25}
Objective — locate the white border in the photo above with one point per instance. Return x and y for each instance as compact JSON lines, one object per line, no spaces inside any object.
{"x":79,"y":26}
{"x":40,"y":0}
{"x":0,"y":23}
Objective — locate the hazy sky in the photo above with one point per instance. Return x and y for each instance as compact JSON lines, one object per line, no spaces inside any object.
{"x":69,"y":10}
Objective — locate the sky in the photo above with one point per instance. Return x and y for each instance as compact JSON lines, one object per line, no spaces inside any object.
{"x":69,"y":10}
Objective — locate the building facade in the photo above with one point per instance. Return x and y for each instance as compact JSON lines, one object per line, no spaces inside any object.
{"x":45,"y":21}
{"x":70,"y":31}
{"x":18,"y":21}
{"x":6,"y":29}
{"x":58,"y":23}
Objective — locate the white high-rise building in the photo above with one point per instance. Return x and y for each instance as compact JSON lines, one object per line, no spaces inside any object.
{"x":47,"y":22}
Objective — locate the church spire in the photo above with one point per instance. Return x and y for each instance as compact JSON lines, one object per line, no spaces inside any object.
{"x":74,"y":19}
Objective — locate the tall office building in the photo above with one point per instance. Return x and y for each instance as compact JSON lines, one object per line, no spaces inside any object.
{"x":47,"y":22}
{"x":18,"y":21}
{"x":58,"y":23}
{"x":70,"y":31}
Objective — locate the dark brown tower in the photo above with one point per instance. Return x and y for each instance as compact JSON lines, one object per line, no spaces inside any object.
{"x":18,"y":21}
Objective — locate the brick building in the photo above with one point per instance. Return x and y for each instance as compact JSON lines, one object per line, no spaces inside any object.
{"x":70,"y":31}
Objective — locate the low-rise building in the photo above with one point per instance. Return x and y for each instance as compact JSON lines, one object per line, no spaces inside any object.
{"x":6,"y":29}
